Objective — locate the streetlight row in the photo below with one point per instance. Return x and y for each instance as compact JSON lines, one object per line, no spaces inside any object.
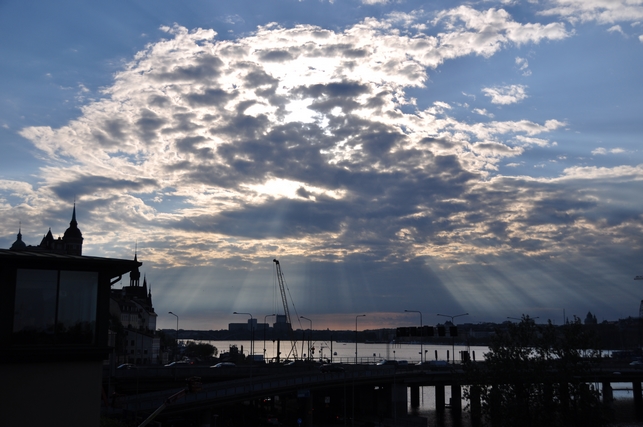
{"x":311,"y":329}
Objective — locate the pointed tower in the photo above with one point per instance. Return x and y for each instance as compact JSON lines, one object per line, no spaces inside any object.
{"x":47,"y":241}
{"x":135,"y":275}
{"x":73,"y":238}
{"x":19,"y":245}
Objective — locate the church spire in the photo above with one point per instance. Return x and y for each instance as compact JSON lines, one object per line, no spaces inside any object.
{"x":134,"y":275}
{"x":73,"y":238}
{"x":19,"y":244}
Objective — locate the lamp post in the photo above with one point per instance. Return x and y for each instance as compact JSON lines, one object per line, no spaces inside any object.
{"x":309,"y":335}
{"x":252,"y":335}
{"x":176,"y":350}
{"x":359,"y":315}
{"x":264,"y":334}
{"x":453,"y":338}
{"x":421,"y":332}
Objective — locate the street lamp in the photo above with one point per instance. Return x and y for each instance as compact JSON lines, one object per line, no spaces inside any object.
{"x":264,"y":334}
{"x":252,"y":336}
{"x":309,"y":336}
{"x":421,"y":332}
{"x":359,"y":315}
{"x":177,"y":334}
{"x":453,"y":338}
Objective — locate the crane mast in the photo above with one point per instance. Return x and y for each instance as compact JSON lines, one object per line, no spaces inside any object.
{"x":282,"y":289}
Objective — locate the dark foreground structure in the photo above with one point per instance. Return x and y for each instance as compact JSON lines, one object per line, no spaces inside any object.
{"x":54,"y":315}
{"x":306,"y":395}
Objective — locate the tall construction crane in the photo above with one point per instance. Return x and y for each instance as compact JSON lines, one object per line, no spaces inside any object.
{"x":282,"y":289}
{"x":641,"y":305}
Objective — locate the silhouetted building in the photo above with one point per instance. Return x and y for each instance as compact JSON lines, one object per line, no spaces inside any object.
{"x":132,"y":306}
{"x":71,"y":243}
{"x":54,"y":319}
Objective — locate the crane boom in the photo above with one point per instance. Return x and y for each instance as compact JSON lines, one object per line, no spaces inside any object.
{"x":282,"y":289}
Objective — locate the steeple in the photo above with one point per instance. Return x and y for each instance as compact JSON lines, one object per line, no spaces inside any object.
{"x":47,"y":241}
{"x":73,"y":238}
{"x":19,"y":244}
{"x":134,"y":275}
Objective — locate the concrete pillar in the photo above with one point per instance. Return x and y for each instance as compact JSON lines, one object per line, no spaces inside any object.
{"x":439,"y":397}
{"x":638,"y":400}
{"x":456,"y":398}
{"x":415,"y":396}
{"x":475,"y":405}
{"x":206,"y":418}
{"x":309,"y":410}
{"x":398,"y":400}
{"x":608,"y":394}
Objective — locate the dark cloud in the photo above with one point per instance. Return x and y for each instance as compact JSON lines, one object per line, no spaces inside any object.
{"x":91,"y":184}
{"x":205,"y":67}
{"x":275,"y":218}
{"x":189,"y":145}
{"x":148,"y":124}
{"x":210,"y":97}
{"x":275,"y":56}
{"x":183,"y":123}
{"x":346,"y":89}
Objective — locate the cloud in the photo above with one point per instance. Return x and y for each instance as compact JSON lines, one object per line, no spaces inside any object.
{"x":601,"y":11}
{"x":506,"y":95}
{"x":616,"y":29}
{"x":523,"y":65}
{"x":309,"y":144}
{"x":483,"y":112}
{"x":604,"y":151}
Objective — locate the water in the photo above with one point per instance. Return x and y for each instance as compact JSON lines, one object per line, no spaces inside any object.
{"x":344,"y":352}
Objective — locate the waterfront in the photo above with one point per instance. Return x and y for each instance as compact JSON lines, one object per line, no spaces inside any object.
{"x":344,"y":352}
{"x":371,"y":353}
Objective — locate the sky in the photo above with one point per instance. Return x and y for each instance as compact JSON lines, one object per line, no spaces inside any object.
{"x":447,"y":157}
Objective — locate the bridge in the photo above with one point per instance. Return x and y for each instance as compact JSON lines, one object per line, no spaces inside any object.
{"x":357,"y":390}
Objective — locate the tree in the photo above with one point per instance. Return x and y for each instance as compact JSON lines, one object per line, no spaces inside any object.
{"x":200,"y":350}
{"x":530,"y":377}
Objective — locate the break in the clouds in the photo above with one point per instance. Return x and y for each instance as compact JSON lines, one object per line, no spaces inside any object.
{"x":335,"y":149}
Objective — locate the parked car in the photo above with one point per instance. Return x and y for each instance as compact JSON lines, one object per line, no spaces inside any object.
{"x":177,"y":364}
{"x":331,"y":367}
{"x":126,"y":366}
{"x":224,"y":365}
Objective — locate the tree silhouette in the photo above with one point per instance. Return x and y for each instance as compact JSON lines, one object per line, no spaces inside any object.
{"x":530,"y":377}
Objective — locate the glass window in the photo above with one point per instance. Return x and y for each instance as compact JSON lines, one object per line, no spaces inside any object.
{"x":55,"y":307}
{"x":35,"y":306}
{"x":77,"y":299}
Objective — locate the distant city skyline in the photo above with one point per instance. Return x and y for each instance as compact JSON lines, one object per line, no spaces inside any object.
{"x":451,"y":157}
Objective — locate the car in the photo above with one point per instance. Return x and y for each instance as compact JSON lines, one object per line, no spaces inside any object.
{"x":224,"y":365}
{"x":331,"y":367}
{"x":126,"y":366}
{"x":273,"y":421}
{"x":385,"y":362}
{"x":177,"y":364}
{"x":637,"y":364}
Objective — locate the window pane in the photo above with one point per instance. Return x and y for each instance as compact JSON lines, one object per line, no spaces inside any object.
{"x":35,"y":306}
{"x":77,"y":307}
